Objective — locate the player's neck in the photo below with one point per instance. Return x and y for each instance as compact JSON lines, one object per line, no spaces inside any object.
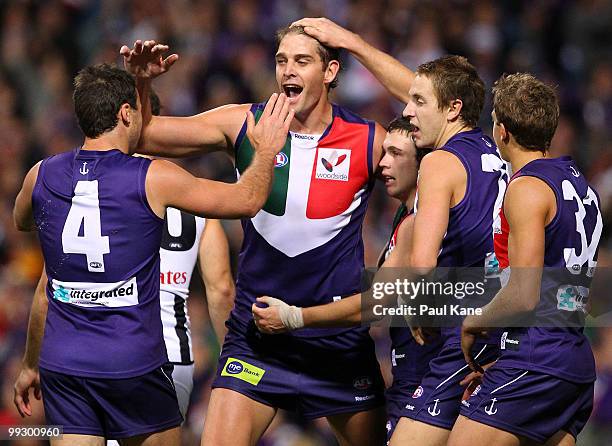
{"x":450,"y":130}
{"x":520,"y":157}
{"x":408,"y":198}
{"x":106,"y":141}
{"x":314,"y":121}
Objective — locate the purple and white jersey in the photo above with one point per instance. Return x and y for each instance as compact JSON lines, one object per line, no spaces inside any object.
{"x":571,"y":246}
{"x":100,"y":240}
{"x":468,"y":241}
{"x":305,"y":244}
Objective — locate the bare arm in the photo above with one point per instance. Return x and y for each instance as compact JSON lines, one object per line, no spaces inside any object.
{"x":390,"y":72}
{"x":435,"y":195}
{"x":529,"y":205}
{"x":168,"y":185}
{"x":177,"y":136}
{"x":28,"y":377}
{"x":216,"y":272}
{"x":346,"y":312}
{"x":22,"y":212}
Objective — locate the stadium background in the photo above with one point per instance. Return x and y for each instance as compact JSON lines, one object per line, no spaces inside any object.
{"x":226,"y":50}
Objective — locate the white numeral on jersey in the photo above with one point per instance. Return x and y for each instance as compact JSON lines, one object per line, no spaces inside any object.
{"x":573,"y":260}
{"x":85,"y":209}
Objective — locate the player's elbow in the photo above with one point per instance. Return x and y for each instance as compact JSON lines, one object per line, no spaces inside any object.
{"x":422,"y":264}
{"x":22,"y":224}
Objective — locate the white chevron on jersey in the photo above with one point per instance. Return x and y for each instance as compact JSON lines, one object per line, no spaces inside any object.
{"x":176,"y":269}
{"x":293,"y":233}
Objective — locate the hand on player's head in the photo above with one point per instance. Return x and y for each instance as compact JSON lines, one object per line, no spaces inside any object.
{"x":325,"y":31}
{"x":270,"y":132}
{"x":145,"y":60}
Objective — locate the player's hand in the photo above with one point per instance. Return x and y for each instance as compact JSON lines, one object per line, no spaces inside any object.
{"x":277,"y":317}
{"x":469,"y":333}
{"x":472,"y":381}
{"x":327,"y":32}
{"x":423,"y":335}
{"x":145,"y":60}
{"x":270,"y":132}
{"x":28,"y":378}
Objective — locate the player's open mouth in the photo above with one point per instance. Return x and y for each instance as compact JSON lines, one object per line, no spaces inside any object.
{"x":292,"y":91}
{"x":388,"y":179}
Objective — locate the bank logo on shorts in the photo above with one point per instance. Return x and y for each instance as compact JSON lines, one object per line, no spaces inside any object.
{"x":362,"y":383}
{"x":94,"y":294}
{"x":418,"y":393}
{"x":244,"y":371}
{"x":333,"y":164}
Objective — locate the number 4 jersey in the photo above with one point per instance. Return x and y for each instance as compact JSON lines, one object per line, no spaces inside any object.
{"x":100,"y":240}
{"x":571,"y":243}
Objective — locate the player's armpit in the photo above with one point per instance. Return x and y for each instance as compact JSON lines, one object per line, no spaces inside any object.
{"x":440,"y":174}
{"x":176,"y":137}
{"x":22,"y":212}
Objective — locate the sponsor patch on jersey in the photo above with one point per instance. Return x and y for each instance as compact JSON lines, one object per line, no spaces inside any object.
{"x":572,"y":298}
{"x":507,"y":343}
{"x":333,"y":164}
{"x":244,"y":371}
{"x":281,"y":160}
{"x":88,"y":295}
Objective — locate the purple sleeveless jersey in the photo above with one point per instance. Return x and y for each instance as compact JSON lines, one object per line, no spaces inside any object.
{"x":469,"y":238}
{"x":100,"y":240}
{"x":571,"y":245}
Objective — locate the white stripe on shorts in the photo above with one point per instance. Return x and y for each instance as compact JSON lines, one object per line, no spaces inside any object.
{"x":508,"y":383}
{"x":459,"y":371}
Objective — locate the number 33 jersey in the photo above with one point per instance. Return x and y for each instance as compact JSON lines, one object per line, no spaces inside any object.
{"x":100,"y":241}
{"x":556,"y":345}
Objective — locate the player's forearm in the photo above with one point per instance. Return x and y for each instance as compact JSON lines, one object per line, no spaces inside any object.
{"x":514,"y":301}
{"x":344,"y":313}
{"x":256,"y":182}
{"x":36,"y":325}
{"x":220,"y":304}
{"x":390,"y":72}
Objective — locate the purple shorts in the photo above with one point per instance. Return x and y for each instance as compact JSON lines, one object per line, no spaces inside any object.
{"x":530,"y":404}
{"x":437,"y":400}
{"x":111,"y":408}
{"x":398,"y":395}
{"x":301,"y":375}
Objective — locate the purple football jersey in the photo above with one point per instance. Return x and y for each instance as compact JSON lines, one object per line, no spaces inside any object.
{"x":100,"y":240}
{"x":571,"y":245}
{"x":469,"y":236}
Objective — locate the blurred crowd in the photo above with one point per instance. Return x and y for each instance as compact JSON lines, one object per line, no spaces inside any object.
{"x":226,"y":56}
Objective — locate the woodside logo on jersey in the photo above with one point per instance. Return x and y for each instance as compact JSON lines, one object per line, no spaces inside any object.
{"x":333,"y":164}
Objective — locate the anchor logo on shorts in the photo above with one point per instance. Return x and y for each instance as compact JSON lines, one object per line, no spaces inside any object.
{"x":434,"y":411}
{"x":489,"y":410}
{"x":84,"y":170}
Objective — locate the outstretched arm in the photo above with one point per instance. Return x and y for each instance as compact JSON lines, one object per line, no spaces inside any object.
{"x":390,"y":72}
{"x":168,"y":185}
{"x":177,"y":136}
{"x":279,"y":317}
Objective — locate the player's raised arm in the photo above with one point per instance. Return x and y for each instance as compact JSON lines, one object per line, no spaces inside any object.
{"x":177,"y":136}
{"x":390,"y":72}
{"x":216,"y":273}
{"x":168,"y":185}
{"x":22,"y":212}
{"x":28,"y":376}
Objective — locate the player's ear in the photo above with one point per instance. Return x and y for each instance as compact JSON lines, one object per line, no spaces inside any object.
{"x":504,"y":134}
{"x":454,"y":109}
{"x":124,"y":114}
{"x":331,"y":72}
